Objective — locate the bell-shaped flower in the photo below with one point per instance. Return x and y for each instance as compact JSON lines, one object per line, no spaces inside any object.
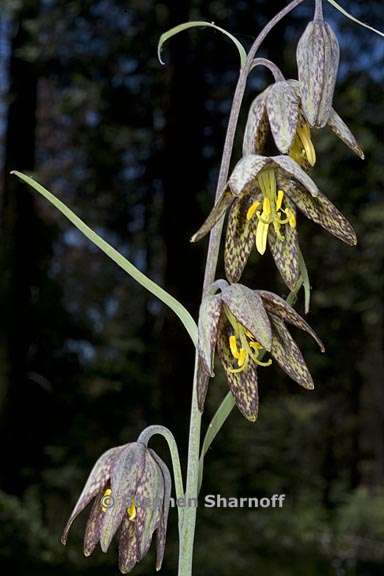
{"x":279,"y":111}
{"x":263,"y":194}
{"x":130,"y":487}
{"x":318,"y":56}
{"x":244,"y":325}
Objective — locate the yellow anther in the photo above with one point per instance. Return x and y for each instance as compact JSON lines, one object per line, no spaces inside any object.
{"x":279,"y":201}
{"x":261,"y":236}
{"x":252,"y":209}
{"x":304,"y":133}
{"x":242,"y":357}
{"x":131,"y":511}
{"x":233,"y":347}
{"x":107,"y":500}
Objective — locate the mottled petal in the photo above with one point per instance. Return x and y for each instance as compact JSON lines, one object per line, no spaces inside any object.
{"x":150,"y":498}
{"x":240,"y":237}
{"x":126,"y":474}
{"x":217,"y":212}
{"x":207,"y":330}
{"x":281,"y":309}
{"x":97,"y":479}
{"x":202,"y":380}
{"x":243,"y":385}
{"x":129,"y":553}
{"x":283,"y":114}
{"x":323,"y":212}
{"x":161,"y":532}
{"x":317,"y":61}
{"x":256,"y":129}
{"x":247,"y":307}
{"x":286,"y":252}
{"x":287,"y":354}
{"x":289,"y":166}
{"x":339,"y":127}
{"x":94,"y":523}
{"x":245,"y":172}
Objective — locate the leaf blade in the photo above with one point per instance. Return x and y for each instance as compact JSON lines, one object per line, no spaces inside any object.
{"x":199,"y":24}
{"x":114,"y":255}
{"x":354,"y":19}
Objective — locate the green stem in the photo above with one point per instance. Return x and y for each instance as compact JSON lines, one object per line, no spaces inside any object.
{"x":192,"y":485}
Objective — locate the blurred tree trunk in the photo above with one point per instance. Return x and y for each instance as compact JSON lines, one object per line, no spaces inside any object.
{"x":18,"y":229}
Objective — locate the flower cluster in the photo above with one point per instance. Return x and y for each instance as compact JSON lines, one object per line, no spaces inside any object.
{"x":263,"y":197}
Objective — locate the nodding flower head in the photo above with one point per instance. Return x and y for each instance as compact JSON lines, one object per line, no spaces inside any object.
{"x":279,"y":111}
{"x":130,"y":487}
{"x":263,"y":194}
{"x":247,"y":329}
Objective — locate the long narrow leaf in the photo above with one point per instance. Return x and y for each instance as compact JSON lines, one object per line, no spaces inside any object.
{"x":348,"y":15}
{"x":202,"y":24}
{"x":118,"y":258}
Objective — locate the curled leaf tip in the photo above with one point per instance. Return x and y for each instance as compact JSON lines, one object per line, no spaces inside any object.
{"x":195,"y":24}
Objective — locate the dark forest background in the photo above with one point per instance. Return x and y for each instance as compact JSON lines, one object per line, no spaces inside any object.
{"x":87,"y":358}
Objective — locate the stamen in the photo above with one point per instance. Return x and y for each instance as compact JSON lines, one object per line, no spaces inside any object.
{"x":131,"y":511}
{"x":279,"y":201}
{"x":261,"y":237}
{"x":304,"y":134}
{"x":291,"y":217}
{"x":242,"y":357}
{"x":233,"y":347}
{"x":252,"y":209}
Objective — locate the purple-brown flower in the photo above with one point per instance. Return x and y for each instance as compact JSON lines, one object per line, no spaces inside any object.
{"x":279,"y":111}
{"x":263,"y":194}
{"x":243,"y":325}
{"x":130,"y":487}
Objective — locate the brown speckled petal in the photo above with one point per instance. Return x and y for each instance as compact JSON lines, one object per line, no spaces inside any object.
{"x":317,"y":62}
{"x":256,"y":129}
{"x":286,"y":252}
{"x":287,"y":354}
{"x":245,"y":172}
{"x":290,"y":167}
{"x":243,"y":385}
{"x":161,"y":532}
{"x":217,"y":212}
{"x":247,"y":307}
{"x":202,"y":380}
{"x":323,"y":212}
{"x":97,"y":479}
{"x":281,"y":309}
{"x":126,"y":475}
{"x":339,"y":127}
{"x":129,"y":553}
{"x":240,"y":237}
{"x":209,"y":315}
{"x":94,"y":523}
{"x":283,"y":114}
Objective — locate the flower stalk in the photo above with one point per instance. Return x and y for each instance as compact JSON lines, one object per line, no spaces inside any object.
{"x":192,"y":484}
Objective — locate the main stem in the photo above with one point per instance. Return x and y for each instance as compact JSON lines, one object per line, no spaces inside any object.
{"x":191,"y":492}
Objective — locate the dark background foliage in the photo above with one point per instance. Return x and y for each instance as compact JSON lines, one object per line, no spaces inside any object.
{"x":88,"y":358}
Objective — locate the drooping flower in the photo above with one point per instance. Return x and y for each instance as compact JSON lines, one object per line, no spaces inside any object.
{"x":318,"y":56}
{"x":279,"y":111}
{"x":263,"y":193}
{"x":243,"y":325}
{"x":130,"y":486}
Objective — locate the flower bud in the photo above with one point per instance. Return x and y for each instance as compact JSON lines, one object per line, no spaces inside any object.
{"x":318,"y":56}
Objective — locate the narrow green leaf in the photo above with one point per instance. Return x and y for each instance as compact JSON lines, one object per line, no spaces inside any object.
{"x":118,"y":258}
{"x":194,"y":24}
{"x":348,"y":15}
